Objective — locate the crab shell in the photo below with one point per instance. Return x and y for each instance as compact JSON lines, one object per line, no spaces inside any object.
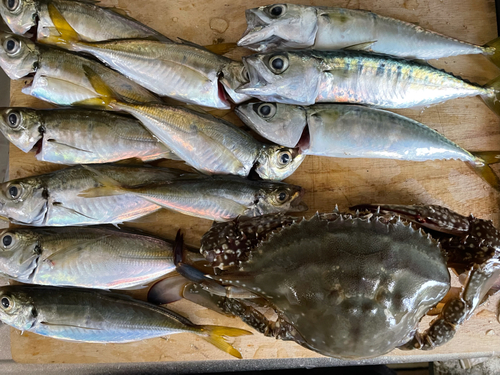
{"x":351,"y":286}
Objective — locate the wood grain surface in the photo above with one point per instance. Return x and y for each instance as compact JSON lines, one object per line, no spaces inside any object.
{"x":345,"y":182}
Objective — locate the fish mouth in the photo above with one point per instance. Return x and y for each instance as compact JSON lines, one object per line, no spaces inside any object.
{"x":254,"y":32}
{"x":297,"y":205}
{"x":258,"y":83}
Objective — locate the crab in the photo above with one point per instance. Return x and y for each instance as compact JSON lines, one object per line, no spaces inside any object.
{"x":348,"y":285}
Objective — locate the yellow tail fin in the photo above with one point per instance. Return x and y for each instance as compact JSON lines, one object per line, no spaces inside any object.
{"x":492,"y":51}
{"x":481,"y":165}
{"x":492,"y":99}
{"x":109,"y":186}
{"x":214,"y":335}
{"x":67,"y":35}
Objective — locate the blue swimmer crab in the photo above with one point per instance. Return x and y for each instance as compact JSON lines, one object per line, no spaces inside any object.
{"x":348,"y":285}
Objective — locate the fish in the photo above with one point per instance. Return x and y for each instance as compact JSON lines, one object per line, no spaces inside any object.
{"x":93,"y":22}
{"x":218,"y":198}
{"x":86,"y":257}
{"x":182,"y":71}
{"x":59,"y":77}
{"x":79,"y":136}
{"x":355,"y":131}
{"x":291,"y":26}
{"x":98,"y":316}
{"x":207,"y":143}
{"x":308,"y":77}
{"x":52,"y":199}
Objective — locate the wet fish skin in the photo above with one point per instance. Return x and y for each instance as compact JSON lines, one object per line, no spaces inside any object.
{"x":90,"y":315}
{"x":59,"y":75}
{"x":51,"y":199}
{"x":182,"y":71}
{"x":291,"y":26}
{"x":218,"y":198}
{"x":308,"y":77}
{"x":88,"y":257}
{"x":80,"y":136}
{"x":93,"y":22}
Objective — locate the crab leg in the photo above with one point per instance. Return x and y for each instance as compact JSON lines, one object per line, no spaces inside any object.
{"x":474,"y":246}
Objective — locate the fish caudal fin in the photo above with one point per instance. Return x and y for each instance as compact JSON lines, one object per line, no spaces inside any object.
{"x":68,"y":37}
{"x":492,"y":99}
{"x":492,"y":51}
{"x":109,"y":186}
{"x":214,"y":335}
{"x":481,"y":165}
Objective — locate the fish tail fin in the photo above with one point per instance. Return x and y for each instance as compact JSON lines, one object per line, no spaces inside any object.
{"x":214,"y":335}
{"x":492,"y":51}
{"x":492,"y":99}
{"x":481,"y":165}
{"x":107,"y":98}
{"x":109,"y":186}
{"x":68,"y":37}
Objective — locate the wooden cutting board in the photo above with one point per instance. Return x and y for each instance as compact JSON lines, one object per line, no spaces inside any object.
{"x":328,"y":182}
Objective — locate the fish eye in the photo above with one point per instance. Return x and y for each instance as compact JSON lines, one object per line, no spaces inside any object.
{"x":282,"y":197}
{"x":284,"y":158}
{"x":15,"y":191}
{"x":11,"y":45}
{"x":14,"y":119}
{"x":12,"y":4}
{"x":7,"y":240}
{"x":265,"y":110}
{"x":6,"y":303}
{"x":277,"y":10}
{"x":278,"y":64}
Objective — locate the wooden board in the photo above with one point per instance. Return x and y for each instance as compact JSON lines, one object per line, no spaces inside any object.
{"x":328,"y":182}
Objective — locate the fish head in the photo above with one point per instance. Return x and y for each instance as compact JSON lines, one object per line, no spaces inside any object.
{"x":233,"y":76}
{"x":279,"y":198}
{"x":277,"y":162}
{"x":280,"y":26}
{"x":19,"y":15}
{"x":283,"y":77}
{"x":18,"y":55}
{"x":23,"y":201}
{"x":19,"y":252}
{"x":17,"y":308}
{"x":21,"y":126}
{"x":280,"y":123}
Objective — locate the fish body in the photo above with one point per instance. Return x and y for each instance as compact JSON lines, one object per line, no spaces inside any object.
{"x":308,"y":77}
{"x":59,"y":76}
{"x":355,"y":131}
{"x":182,"y":71}
{"x":218,"y":198}
{"x":80,"y":136}
{"x":101,"y":258}
{"x":52,"y":199}
{"x":93,"y":22}
{"x":98,"y":316}
{"x":290,"y":26}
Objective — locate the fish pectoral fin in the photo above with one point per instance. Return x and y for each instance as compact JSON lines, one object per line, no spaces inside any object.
{"x":109,"y":185}
{"x":73,"y":211}
{"x":365,"y":46}
{"x":61,"y":325}
{"x":69,"y":146}
{"x":68,"y":35}
{"x":71,"y":249}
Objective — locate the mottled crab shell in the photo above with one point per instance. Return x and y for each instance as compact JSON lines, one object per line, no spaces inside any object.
{"x":353,"y":287}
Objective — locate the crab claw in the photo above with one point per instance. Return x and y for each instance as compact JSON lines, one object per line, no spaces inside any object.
{"x":433,"y":217}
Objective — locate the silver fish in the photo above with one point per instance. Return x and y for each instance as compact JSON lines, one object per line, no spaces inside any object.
{"x":89,"y":315}
{"x":52,"y":199}
{"x":80,"y":136}
{"x":291,"y":26}
{"x":101,"y":258}
{"x":184,"y":72}
{"x":207,"y":143}
{"x":355,"y":131}
{"x":59,"y":76}
{"x":93,"y":22}
{"x":308,"y":77}
{"x":218,"y":198}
